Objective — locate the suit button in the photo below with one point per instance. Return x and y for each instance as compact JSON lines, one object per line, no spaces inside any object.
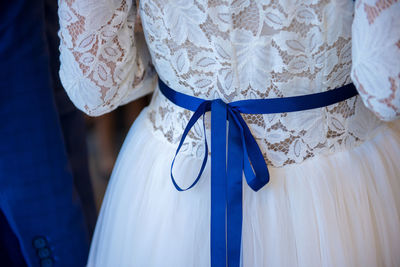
{"x":39,"y":242}
{"x":48,"y":262}
{"x":43,"y":253}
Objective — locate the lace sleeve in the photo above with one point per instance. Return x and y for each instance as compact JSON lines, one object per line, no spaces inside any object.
{"x":376,"y":56}
{"x":103,"y":63}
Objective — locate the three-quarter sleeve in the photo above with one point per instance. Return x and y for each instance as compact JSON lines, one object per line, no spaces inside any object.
{"x":103,"y":63}
{"x":376,"y":56}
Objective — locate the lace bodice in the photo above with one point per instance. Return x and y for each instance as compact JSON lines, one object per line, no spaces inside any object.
{"x":239,"y":49}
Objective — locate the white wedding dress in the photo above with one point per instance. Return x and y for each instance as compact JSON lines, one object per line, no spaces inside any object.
{"x":334,"y":194}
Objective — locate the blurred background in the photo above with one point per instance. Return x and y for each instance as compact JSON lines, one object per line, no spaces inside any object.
{"x":105,"y":136}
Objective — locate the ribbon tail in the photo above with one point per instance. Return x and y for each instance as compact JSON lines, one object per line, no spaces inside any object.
{"x":218,"y":184}
{"x":234,"y":205}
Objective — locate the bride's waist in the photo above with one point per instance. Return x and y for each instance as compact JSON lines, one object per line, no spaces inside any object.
{"x":284,"y":138}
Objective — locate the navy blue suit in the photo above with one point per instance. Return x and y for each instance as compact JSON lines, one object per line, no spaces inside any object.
{"x":37,"y":197}
{"x":72,"y":122}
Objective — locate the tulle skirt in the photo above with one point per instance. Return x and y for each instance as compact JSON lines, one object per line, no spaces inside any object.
{"x":341,"y":209}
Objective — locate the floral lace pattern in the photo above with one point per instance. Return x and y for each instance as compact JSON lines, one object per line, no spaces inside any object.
{"x":100,"y":66}
{"x":228,"y":49}
{"x":376,"y":56}
{"x":257,"y":49}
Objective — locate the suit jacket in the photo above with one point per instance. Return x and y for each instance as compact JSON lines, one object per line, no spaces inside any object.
{"x":72,"y":122}
{"x":37,"y":196}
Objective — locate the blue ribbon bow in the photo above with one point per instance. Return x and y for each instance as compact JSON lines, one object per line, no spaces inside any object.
{"x":243,"y":155}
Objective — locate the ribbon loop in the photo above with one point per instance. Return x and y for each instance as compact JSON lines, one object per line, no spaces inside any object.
{"x":254,"y":166}
{"x":200,"y":111}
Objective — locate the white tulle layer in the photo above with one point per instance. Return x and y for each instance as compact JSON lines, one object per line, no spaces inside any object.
{"x":337,"y":210}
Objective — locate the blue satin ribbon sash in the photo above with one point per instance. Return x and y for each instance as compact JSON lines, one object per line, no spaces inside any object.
{"x":243,"y":156}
